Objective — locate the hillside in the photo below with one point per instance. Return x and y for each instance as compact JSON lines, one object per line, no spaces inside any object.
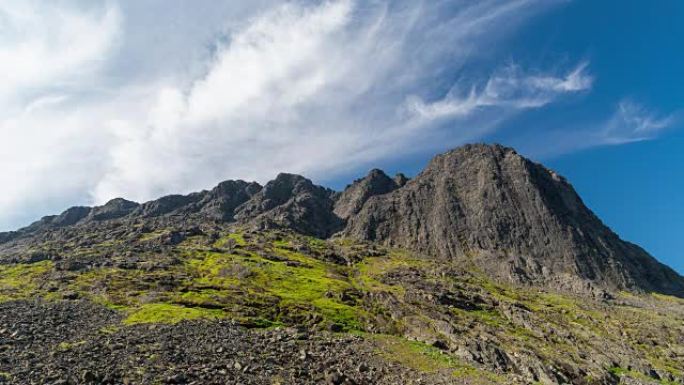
{"x":484,"y":269}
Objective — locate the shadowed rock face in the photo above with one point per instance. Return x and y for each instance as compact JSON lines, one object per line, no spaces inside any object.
{"x":115,"y":208}
{"x":483,"y":205}
{"x":352,"y":199}
{"x":512,"y":218}
{"x":294,"y":202}
{"x":220,"y":203}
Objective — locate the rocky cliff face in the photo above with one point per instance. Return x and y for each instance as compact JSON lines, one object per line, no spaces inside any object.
{"x":412,"y":285}
{"x":352,"y":199}
{"x":293,"y":202}
{"x":512,"y":218}
{"x":484,"y":206}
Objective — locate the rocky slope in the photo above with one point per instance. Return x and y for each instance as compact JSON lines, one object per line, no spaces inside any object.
{"x":513,"y":219}
{"x":484,"y":269}
{"x":481,"y":205}
{"x":216,"y":304}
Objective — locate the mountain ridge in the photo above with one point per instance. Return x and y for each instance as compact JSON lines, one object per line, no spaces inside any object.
{"x":486,"y":268}
{"x":512,"y":218}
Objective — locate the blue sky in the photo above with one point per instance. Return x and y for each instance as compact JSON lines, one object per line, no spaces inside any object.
{"x":140,"y":99}
{"x":636,"y":51}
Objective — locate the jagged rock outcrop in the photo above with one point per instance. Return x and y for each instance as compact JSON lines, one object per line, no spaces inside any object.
{"x":220,"y":203}
{"x":400,"y":180}
{"x":69,"y":217}
{"x":7,"y":236}
{"x":189,"y":281}
{"x":166,"y":205}
{"x":294,"y":202}
{"x":351,"y":200}
{"x":512,"y":218}
{"x":115,"y":208}
{"x":479,"y":204}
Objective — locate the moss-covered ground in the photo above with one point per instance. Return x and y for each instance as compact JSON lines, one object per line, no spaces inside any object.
{"x":389,"y":296}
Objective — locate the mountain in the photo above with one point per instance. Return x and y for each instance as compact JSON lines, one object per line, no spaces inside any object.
{"x":486,"y":268}
{"x":483,"y":205}
{"x":512,"y":218}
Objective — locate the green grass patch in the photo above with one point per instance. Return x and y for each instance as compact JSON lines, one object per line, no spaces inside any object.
{"x":667,"y":298}
{"x":416,"y":355}
{"x":372,"y":269}
{"x":236,"y":238}
{"x":300,"y":284}
{"x":428,"y":359}
{"x":21,"y":281}
{"x":216,"y":269}
{"x":152,"y":235}
{"x":490,"y":317}
{"x":632,"y":374}
{"x":168,"y":314}
{"x":66,"y":346}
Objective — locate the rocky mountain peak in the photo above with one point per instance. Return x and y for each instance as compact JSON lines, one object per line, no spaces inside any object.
{"x":512,"y":218}
{"x":221,"y":202}
{"x":285,"y":187}
{"x":483,"y":205}
{"x":115,"y":208}
{"x":353,"y":197}
{"x":400,"y":179}
{"x":294,"y":202}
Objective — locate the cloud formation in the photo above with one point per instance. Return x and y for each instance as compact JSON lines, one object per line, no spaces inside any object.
{"x":629,"y":122}
{"x":633,"y":122}
{"x":45,"y":47}
{"x":507,"y":89}
{"x":319,"y":88}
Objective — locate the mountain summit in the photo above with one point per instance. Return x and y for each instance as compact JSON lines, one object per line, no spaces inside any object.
{"x":483,"y":205}
{"x":486,"y":268}
{"x":512,"y":218}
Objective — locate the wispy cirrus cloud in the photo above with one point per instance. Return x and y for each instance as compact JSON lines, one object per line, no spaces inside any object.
{"x":509,"y":89}
{"x":633,"y":122}
{"x":318,"y":88}
{"x":629,"y":122}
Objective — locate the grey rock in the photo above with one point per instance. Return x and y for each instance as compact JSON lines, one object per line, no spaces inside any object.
{"x":293,"y":202}
{"x":220,"y":203}
{"x":351,"y":200}
{"x":115,"y":208}
{"x":71,"y":216}
{"x":512,"y":218}
{"x":166,"y":205}
{"x":483,"y":205}
{"x":7,"y":236}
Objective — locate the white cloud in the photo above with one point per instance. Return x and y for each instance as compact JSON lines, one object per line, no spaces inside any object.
{"x":49,"y":151}
{"x":629,"y":122}
{"x":633,"y":122}
{"x":509,"y":89}
{"x":44,"y":46}
{"x":318,"y":88}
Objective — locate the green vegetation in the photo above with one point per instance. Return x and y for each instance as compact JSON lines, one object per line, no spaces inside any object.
{"x":64,"y":346}
{"x":428,"y":359}
{"x":370,"y":271}
{"x":298,"y":283}
{"x":21,"y":281}
{"x":272,"y":279}
{"x":270,"y":288}
{"x":634,"y":375}
{"x":668,"y":298}
{"x":152,"y":235}
{"x":168,"y":313}
{"x":414,"y":354}
{"x":234,"y":238}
